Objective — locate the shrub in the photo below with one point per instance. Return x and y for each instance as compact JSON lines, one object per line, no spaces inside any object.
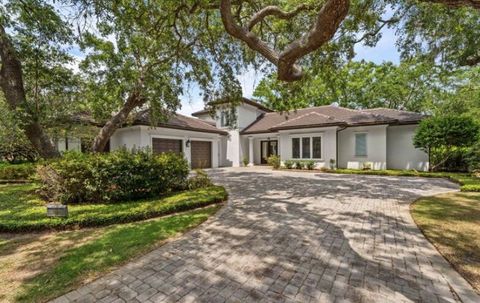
{"x":310,"y":164}
{"x":366,"y":165}
{"x":332,"y":163}
{"x":298,"y":164}
{"x":112,"y":177}
{"x":288,"y":164}
{"x":472,"y":157}
{"x":245,"y":161}
{"x":470,"y":187}
{"x":200,"y":180}
{"x":17,"y":171}
{"x":274,"y":161}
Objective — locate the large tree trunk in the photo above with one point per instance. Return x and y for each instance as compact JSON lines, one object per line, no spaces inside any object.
{"x":11,"y":82}
{"x":101,"y":140}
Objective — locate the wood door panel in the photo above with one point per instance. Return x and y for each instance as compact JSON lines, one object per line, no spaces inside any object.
{"x":201,"y":154}
{"x":160,"y":145}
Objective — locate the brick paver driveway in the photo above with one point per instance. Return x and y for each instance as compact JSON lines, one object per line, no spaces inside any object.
{"x":302,"y":237}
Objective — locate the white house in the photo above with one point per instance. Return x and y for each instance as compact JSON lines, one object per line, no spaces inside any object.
{"x":379,"y":138}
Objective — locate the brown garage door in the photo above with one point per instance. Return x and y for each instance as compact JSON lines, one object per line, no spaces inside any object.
{"x":166,"y":145}
{"x":201,"y":154}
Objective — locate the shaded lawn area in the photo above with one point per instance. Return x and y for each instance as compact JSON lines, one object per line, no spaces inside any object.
{"x":39,"y":267}
{"x":452,"y":223}
{"x":22,"y":210}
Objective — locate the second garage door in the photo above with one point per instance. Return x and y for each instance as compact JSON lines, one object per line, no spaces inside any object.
{"x":161,"y":145}
{"x":201,"y":154}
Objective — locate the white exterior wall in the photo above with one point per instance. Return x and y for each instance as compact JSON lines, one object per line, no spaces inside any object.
{"x":235,"y":147}
{"x":329,"y":144}
{"x":401,"y":154}
{"x":246,"y":114}
{"x":141,"y":137}
{"x":232,"y":149}
{"x":206,"y":117}
{"x":376,"y":147}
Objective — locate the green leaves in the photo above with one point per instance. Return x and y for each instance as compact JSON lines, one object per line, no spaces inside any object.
{"x":446,"y":131}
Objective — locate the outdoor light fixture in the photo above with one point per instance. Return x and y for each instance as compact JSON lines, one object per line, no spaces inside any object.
{"x":187,"y":143}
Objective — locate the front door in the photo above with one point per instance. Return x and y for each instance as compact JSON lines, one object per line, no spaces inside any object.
{"x":268,"y":148}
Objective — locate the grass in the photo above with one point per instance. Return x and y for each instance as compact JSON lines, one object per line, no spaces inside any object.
{"x":22,"y":210}
{"x":39,"y":267}
{"x":467,"y":181}
{"x":452,"y":223}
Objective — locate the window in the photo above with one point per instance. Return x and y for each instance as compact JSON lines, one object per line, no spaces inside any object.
{"x":317,"y":147}
{"x":361,"y":145}
{"x":296,"y":148}
{"x":227,"y":117}
{"x":307,"y":147}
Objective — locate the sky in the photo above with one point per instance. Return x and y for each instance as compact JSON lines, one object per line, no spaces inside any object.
{"x":385,"y":50}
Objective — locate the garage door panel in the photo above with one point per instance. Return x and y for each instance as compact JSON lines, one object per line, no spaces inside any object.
{"x":201,"y":154}
{"x":161,"y":145}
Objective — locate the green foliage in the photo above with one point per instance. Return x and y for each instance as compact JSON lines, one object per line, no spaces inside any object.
{"x":199,"y":180}
{"x":470,"y":188}
{"x":309,"y":164}
{"x":472,"y":157}
{"x":22,"y":171}
{"x":108,"y":248}
{"x":245,"y":161}
{"x":289,"y":164}
{"x":410,"y":86}
{"x":298,"y":164}
{"x":442,"y":136}
{"x":274,"y":161}
{"x":159,"y":48}
{"x":112,"y":177}
{"x":446,"y":131}
{"x":21,"y":209}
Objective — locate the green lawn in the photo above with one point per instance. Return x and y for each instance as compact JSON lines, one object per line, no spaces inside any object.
{"x":39,"y":267}
{"x":452,"y":223}
{"x":22,"y":210}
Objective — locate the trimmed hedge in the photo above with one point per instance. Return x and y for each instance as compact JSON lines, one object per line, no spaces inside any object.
{"x":22,"y":171}
{"x":118,"y":176}
{"x":21,"y":210}
{"x":470,"y":187}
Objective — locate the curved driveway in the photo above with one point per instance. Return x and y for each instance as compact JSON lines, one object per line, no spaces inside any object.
{"x":296,"y":237}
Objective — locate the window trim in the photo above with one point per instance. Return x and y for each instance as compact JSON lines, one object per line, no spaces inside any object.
{"x":355,"y":144}
{"x":311,"y":136}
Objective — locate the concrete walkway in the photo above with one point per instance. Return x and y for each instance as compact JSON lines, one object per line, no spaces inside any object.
{"x":296,"y":237}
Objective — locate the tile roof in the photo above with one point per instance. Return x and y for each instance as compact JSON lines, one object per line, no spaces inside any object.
{"x":329,"y":115}
{"x":178,"y":121}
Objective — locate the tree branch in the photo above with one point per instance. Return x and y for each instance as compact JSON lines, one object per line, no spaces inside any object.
{"x":273,"y":10}
{"x":326,"y":24}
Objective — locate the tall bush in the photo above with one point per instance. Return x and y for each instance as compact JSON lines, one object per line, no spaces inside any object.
{"x":112,"y":177}
{"x":441,"y":136}
{"x":22,"y":171}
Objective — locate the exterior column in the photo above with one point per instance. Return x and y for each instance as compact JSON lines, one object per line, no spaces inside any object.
{"x":250,"y":151}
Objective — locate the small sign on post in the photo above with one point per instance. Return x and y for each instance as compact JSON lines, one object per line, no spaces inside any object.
{"x":57,"y":210}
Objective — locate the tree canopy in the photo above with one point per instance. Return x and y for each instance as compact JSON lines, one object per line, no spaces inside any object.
{"x":138,"y":55}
